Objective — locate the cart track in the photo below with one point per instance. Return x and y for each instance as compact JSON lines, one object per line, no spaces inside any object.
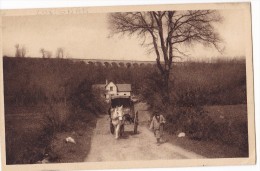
{"x":141,"y":146}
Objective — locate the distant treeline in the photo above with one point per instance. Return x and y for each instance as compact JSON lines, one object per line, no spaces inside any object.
{"x":220,"y":83}
{"x":199,"y":83}
{"x":32,"y":81}
{"x":29,"y":81}
{"x":60,"y":89}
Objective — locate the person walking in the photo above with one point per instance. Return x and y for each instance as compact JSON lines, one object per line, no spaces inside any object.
{"x":157,"y":125}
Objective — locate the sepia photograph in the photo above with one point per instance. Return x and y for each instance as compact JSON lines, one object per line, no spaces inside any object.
{"x":127,"y":87}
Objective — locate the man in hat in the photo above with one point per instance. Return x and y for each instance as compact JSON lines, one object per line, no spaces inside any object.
{"x":157,"y":126}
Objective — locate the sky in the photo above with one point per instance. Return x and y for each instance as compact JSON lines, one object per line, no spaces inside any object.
{"x":87,"y":37}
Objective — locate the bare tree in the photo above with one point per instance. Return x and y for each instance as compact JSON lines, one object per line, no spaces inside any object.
{"x":43,"y":52}
{"x":20,"y":52}
{"x":17,"y":50}
{"x":164,"y":32}
{"x":60,"y":52}
{"x":23,"y":51}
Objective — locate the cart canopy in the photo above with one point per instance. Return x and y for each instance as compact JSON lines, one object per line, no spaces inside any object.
{"x":119,"y":101}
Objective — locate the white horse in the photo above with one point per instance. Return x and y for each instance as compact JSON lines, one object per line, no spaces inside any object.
{"x":117,"y":120}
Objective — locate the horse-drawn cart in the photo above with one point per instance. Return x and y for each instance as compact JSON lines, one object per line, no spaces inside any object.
{"x":122,"y":112}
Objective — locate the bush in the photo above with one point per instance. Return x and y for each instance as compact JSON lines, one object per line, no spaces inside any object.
{"x":56,"y":117}
{"x":198,"y":125}
{"x":194,"y":121}
{"x":62,"y":88}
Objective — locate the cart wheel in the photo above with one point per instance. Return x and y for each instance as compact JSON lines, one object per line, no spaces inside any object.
{"x":112,"y":128}
{"x":135,"y":122}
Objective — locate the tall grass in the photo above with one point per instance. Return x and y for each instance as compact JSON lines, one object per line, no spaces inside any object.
{"x":195,"y":85}
{"x":61,"y":89}
{"x":219,"y":83}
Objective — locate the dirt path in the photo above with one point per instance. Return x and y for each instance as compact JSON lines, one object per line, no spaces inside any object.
{"x":142,"y":146}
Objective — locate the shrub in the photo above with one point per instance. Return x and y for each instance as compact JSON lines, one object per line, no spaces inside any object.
{"x":56,"y":117}
{"x":194,"y":121}
{"x":198,"y":125}
{"x":61,"y":87}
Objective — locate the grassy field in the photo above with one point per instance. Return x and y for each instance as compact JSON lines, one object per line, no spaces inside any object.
{"x":53,"y":94}
{"x":64,"y":87}
{"x":25,"y":137}
{"x":28,"y":139}
{"x":231,"y":121}
{"x":230,"y":141}
{"x":81,"y":132}
{"x":231,"y":113}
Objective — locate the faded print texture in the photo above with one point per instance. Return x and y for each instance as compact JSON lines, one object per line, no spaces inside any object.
{"x":189,"y":66}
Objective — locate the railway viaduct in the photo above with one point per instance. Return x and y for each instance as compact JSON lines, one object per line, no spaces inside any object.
{"x":125,"y":63}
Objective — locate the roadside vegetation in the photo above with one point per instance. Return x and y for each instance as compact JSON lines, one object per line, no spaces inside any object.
{"x":47,"y":100}
{"x":50,"y":98}
{"x":207,"y":102}
{"x":44,"y":98}
{"x":182,"y":92}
